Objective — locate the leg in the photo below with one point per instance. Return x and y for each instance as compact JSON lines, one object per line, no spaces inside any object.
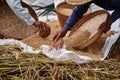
{"x":115,"y":50}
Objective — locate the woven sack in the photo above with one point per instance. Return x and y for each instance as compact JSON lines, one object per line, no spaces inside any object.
{"x":11,"y":26}
{"x":64,"y":10}
{"x":87,"y":29}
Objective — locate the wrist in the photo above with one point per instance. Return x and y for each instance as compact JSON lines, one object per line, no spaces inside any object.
{"x":36,"y":23}
{"x":65,"y":30}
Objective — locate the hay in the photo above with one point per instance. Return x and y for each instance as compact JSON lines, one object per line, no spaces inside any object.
{"x":38,"y":67}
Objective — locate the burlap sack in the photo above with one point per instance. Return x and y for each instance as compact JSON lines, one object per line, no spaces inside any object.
{"x":86,"y":31}
{"x":11,"y":26}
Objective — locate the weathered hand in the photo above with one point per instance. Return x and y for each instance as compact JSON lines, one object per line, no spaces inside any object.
{"x":44,"y":28}
{"x":37,"y":23}
{"x":105,"y":26}
{"x":59,"y":35}
{"x":57,"y":39}
{"x":57,"y":44}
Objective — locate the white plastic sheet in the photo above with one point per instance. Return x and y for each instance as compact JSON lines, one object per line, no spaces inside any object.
{"x":25,"y":48}
{"x":64,"y":55}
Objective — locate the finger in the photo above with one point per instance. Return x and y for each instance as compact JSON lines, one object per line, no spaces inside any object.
{"x":57,"y":38}
{"x":59,"y":46}
{"x":54,"y":36}
{"x":76,"y":48}
{"x":45,"y":27}
{"x":53,"y":44}
{"x":61,"y":43}
{"x":42,"y":27}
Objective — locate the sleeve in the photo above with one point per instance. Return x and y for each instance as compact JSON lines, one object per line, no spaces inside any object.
{"x":21,"y":12}
{"x":77,"y":14}
{"x":115,"y":15}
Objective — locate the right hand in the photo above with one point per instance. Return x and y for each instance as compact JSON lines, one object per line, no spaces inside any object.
{"x":57,"y":39}
{"x":106,"y":25}
{"x":59,"y":35}
{"x":58,"y":44}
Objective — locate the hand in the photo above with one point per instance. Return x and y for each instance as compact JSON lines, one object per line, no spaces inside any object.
{"x":58,"y":44}
{"x":44,"y":28}
{"x":59,"y":35}
{"x":105,"y":26}
{"x":57,"y":39}
{"x":37,"y":23}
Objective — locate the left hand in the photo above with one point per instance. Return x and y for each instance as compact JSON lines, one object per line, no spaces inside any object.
{"x":44,"y":28}
{"x":105,"y":26}
{"x":37,"y":23}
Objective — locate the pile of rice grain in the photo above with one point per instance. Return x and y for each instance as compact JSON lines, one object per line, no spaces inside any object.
{"x":77,"y":38}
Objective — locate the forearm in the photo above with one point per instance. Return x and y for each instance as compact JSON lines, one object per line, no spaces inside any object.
{"x":21,"y":12}
{"x":77,"y":14}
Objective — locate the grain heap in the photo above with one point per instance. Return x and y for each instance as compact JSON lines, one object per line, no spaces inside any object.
{"x":77,"y":38}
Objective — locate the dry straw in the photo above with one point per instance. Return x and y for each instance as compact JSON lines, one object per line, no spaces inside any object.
{"x":38,"y":67}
